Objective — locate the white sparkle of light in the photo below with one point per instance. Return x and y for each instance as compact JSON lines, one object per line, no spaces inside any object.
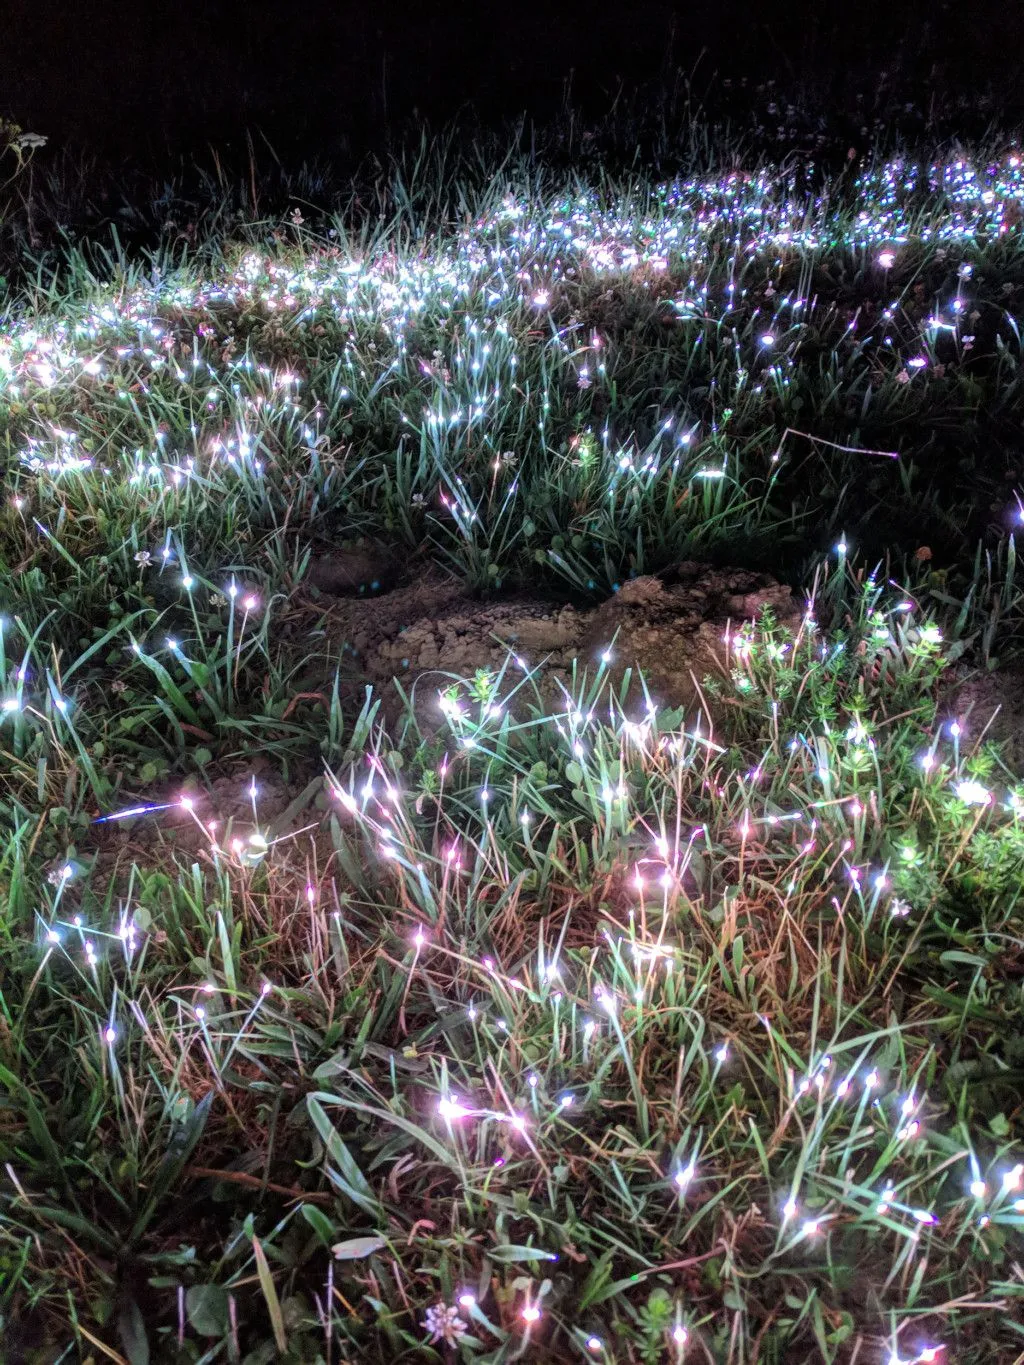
{"x":683,"y":1177}
{"x":452,"y":1109}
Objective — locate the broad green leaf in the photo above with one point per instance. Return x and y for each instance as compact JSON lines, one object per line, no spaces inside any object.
{"x":207,"y":1309}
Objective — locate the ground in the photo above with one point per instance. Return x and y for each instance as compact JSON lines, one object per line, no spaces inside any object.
{"x":672,"y":629}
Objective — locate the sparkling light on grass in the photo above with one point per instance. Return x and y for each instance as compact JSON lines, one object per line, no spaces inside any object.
{"x":658,"y":1027}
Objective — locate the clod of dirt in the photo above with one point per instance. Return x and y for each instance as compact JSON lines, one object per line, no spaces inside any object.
{"x":476,"y":635}
{"x":672,"y":631}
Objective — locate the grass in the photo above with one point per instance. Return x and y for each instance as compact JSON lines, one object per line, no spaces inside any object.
{"x":600,"y":1029}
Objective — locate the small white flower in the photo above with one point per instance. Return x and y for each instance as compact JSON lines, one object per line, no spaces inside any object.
{"x":972,"y":793}
{"x":143,"y":559}
{"x":899,"y":908}
{"x":443,"y":1323}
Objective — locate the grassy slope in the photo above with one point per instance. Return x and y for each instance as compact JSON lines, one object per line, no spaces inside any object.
{"x":622,"y":1038}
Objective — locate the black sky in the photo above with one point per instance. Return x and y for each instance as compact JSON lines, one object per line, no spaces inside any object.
{"x":123,"y":76}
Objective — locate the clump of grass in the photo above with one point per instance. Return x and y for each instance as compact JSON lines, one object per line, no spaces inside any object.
{"x":607,"y":1028}
{"x":599,"y":1030}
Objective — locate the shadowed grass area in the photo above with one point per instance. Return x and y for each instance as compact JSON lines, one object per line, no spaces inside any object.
{"x":511,"y":1028}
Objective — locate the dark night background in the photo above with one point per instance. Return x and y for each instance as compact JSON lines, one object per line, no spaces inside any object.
{"x":152,"y":77}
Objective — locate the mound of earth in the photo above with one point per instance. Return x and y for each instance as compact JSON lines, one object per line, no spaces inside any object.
{"x":670,"y":627}
{"x":672,"y":630}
